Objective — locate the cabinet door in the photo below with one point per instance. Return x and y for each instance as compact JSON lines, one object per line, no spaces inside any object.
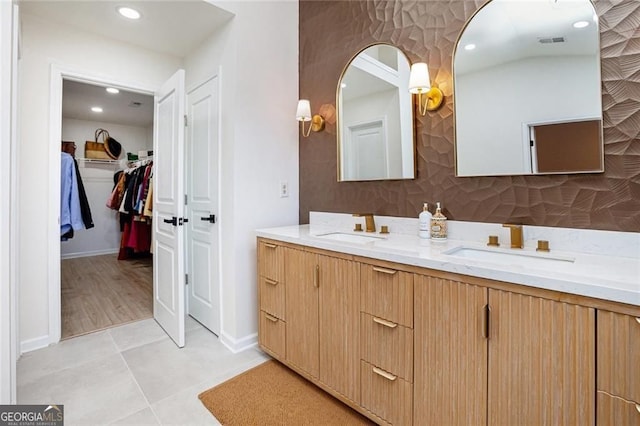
{"x":450,"y":370}
{"x":541,"y":361}
{"x":301,"y":311}
{"x":619,"y":355}
{"x":339,"y":286}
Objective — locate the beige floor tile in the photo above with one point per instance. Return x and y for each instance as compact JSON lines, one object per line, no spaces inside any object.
{"x":96,"y":392}
{"x":68,"y":353}
{"x":137,"y":334}
{"x":141,"y":418}
{"x":184,"y":408}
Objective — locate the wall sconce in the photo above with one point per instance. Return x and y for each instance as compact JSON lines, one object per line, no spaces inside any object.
{"x":420,"y":85}
{"x":304,"y":114}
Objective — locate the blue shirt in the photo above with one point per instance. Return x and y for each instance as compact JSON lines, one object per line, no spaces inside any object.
{"x":70,"y":214}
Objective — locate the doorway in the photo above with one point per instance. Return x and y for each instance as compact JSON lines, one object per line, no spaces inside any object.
{"x":106,"y":265}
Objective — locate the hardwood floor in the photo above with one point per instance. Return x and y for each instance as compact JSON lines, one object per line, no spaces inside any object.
{"x":99,"y":292}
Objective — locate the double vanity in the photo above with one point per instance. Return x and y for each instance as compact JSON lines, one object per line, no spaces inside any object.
{"x":411,"y":331}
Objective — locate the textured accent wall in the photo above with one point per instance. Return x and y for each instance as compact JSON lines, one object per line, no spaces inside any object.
{"x":331,"y":32}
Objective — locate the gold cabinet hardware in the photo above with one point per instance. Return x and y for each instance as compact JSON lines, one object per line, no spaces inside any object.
{"x":486,"y":327}
{"x":384,"y":270}
{"x":638,"y":320}
{"x":270,"y":245}
{"x":316,"y":277}
{"x":638,"y":408}
{"x":271,"y":318}
{"x":270,"y":281}
{"x":385,"y":322}
{"x":384,"y":374}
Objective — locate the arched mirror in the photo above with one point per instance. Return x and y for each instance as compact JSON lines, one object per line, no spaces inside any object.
{"x":375,"y":117}
{"x":527,"y":89}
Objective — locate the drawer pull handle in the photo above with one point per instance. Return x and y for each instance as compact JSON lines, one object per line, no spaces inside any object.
{"x":272,"y":282}
{"x":638,"y":408}
{"x":270,"y":245}
{"x":384,"y":374}
{"x":316,"y":277}
{"x":384,"y":270}
{"x":385,"y":322}
{"x":638,"y":320}
{"x":271,"y":318}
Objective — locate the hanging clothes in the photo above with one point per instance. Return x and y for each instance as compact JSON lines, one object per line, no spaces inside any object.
{"x":70,"y":210}
{"x":129,"y":197}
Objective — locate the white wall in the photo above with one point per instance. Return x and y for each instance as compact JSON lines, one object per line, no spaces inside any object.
{"x":7,"y":256}
{"x":258,"y":55}
{"x":495,"y":104}
{"x":46,"y":43}
{"x":104,"y":237}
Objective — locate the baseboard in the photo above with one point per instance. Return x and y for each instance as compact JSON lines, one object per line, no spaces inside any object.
{"x":34,"y":344}
{"x":89,"y":253}
{"x":239,"y":345}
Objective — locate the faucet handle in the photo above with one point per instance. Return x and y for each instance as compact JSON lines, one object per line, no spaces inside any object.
{"x":370,"y":224}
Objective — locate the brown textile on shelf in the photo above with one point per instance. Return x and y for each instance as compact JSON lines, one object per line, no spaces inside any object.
{"x":271,"y":394}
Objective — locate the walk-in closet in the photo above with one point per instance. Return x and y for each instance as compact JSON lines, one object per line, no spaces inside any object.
{"x":106,"y":259}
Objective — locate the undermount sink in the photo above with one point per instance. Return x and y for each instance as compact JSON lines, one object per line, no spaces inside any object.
{"x":509,"y":257}
{"x":349,"y":238}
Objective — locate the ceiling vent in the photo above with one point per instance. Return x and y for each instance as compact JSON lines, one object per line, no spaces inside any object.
{"x":551,"y":40}
{"x":135,"y":104}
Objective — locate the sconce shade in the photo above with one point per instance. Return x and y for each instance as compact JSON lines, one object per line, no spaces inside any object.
{"x":303,"y":113}
{"x":419,"y":78}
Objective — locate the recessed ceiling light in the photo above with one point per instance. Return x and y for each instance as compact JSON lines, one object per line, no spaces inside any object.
{"x":96,"y":109}
{"x":580,"y":24}
{"x":112,"y":90}
{"x":469,"y":46}
{"x":128,"y":12}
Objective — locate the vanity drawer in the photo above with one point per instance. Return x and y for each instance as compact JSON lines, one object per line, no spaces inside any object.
{"x":272,"y":297}
{"x":270,"y":260}
{"x":272,"y":334}
{"x":386,"y":395}
{"x":387,"y":345}
{"x":387,"y":293}
{"x":619,"y":355}
{"x":616,"y":411}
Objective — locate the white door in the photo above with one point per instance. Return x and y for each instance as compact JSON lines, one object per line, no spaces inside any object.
{"x":168,"y":208}
{"x":369,"y":152}
{"x":202,"y":204}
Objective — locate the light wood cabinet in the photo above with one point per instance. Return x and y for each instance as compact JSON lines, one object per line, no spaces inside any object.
{"x":618,"y":369}
{"x":301,"y":277}
{"x":450,"y":384}
{"x":407,"y":345}
{"x":541,"y":361}
{"x":615,"y":411}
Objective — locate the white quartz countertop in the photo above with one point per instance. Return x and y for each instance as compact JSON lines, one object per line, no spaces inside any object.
{"x":612,"y":278}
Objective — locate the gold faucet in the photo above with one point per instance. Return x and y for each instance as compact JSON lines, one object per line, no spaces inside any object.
{"x":516,"y":235}
{"x":370,"y":225}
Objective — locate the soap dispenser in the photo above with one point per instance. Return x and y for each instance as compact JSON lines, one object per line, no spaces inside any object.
{"x":438,"y":225}
{"x":424,"y":222}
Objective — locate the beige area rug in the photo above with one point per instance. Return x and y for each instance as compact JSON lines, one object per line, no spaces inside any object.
{"x":271,"y":394}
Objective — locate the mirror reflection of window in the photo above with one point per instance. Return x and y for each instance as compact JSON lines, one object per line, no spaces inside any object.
{"x":520,"y":64}
{"x":375,"y":117}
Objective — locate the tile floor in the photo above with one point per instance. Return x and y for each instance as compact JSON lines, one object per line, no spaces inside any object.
{"x":131,"y":375}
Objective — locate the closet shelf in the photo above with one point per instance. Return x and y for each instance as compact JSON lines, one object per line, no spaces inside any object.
{"x":97,"y":161}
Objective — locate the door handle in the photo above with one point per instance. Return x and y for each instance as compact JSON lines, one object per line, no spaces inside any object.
{"x":173,"y":221}
{"x":211,"y":218}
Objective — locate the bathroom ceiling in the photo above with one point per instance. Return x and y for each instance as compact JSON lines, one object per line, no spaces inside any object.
{"x":167,"y":27}
{"x":170,"y":27}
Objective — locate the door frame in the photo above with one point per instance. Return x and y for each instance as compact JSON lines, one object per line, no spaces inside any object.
{"x":58,"y":74}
